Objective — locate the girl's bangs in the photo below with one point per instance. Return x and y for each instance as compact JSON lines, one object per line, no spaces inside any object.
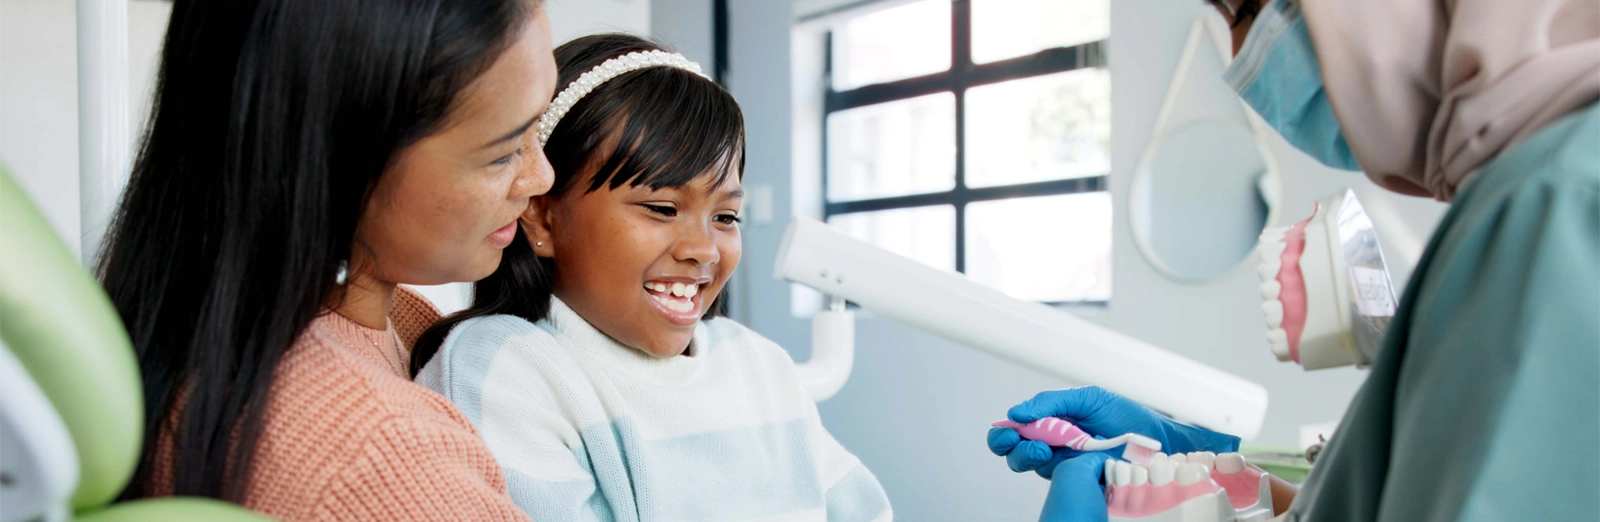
{"x":692,"y":128}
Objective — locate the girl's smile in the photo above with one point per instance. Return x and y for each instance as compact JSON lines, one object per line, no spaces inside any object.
{"x":678,"y":298}
{"x":641,"y":264}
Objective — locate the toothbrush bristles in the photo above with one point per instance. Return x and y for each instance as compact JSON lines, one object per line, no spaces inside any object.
{"x":1140,"y":449}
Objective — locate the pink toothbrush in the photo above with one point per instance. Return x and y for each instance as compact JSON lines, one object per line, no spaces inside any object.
{"x":1057,"y":432}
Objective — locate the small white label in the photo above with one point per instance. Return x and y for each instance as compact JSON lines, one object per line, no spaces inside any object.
{"x":1373,"y":296}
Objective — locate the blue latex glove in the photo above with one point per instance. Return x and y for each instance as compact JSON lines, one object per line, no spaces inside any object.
{"x":1102,"y":414}
{"x":1076,"y":494}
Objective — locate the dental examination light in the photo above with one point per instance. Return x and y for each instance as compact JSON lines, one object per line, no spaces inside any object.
{"x":1027,"y":333}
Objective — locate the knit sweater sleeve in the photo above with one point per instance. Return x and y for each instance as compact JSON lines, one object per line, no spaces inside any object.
{"x":416,"y":469}
{"x":521,"y":419}
{"x":851,"y":492}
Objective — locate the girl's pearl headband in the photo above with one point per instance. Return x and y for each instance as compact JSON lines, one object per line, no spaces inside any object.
{"x":603,"y":73}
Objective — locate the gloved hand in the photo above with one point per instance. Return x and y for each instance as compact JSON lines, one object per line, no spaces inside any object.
{"x":1076,"y":494}
{"x":1102,"y":414}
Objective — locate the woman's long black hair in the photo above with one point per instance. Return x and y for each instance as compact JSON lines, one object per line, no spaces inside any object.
{"x":272,"y":121}
{"x":670,"y":127}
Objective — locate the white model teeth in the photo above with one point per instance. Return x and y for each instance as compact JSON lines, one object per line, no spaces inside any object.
{"x":1268,"y":271}
{"x":1273,"y":250}
{"x":1178,"y":458}
{"x":1162,"y":473}
{"x":1111,"y":473}
{"x":1158,"y":457}
{"x":1230,"y":463}
{"x":1274,"y":312}
{"x":1270,"y":290}
{"x":1192,"y":474}
{"x":1279,"y":339}
{"x":1141,"y":476}
{"x":1204,"y":458}
{"x":1274,"y":233}
{"x":1271,"y":253}
{"x":1124,"y":473}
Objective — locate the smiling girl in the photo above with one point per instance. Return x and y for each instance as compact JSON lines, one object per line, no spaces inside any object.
{"x":589,"y":362}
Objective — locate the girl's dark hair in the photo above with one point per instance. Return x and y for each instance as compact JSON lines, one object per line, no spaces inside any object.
{"x":272,"y":121}
{"x":659,"y":127}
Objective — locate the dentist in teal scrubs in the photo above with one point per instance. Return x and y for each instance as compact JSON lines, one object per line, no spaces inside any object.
{"x":1484,"y":401}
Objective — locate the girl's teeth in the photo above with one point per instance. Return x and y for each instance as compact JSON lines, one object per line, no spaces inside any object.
{"x":674,"y":289}
{"x":674,"y":304}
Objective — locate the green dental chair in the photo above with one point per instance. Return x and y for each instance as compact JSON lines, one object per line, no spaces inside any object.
{"x":71,"y":408}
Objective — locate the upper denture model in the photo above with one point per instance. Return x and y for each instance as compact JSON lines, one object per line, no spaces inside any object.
{"x":1283,"y":286}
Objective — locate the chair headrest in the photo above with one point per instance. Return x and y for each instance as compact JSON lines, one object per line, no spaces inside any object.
{"x":58,"y":322}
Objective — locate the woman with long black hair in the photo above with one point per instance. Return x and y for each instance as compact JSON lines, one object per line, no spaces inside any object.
{"x":304,"y":158}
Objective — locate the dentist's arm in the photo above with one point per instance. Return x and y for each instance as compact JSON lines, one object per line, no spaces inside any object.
{"x":1283,"y":494}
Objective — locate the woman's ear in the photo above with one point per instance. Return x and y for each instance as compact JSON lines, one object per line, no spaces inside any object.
{"x":536,"y":225}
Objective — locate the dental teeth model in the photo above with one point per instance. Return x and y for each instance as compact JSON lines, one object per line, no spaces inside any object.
{"x":1325,"y":289}
{"x":1186,"y":488}
{"x":1283,"y":285}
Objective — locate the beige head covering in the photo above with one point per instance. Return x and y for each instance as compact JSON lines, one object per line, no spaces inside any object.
{"x":1427,"y":91}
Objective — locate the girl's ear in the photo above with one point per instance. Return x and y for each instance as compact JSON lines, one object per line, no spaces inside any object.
{"x":536,"y":225}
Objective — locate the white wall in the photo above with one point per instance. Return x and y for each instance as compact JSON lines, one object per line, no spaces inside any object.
{"x":39,"y":97}
{"x":39,"y":104}
{"x":686,"y":27}
{"x":917,"y":408}
{"x":573,"y":18}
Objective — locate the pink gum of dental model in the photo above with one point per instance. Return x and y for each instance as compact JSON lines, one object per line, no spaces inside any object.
{"x":1244,"y":489}
{"x":1147,"y":500}
{"x":1293,"y":282}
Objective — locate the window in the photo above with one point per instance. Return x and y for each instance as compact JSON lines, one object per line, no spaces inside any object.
{"x":974,"y":136}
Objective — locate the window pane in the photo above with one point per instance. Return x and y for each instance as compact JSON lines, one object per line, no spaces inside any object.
{"x":1051,"y":248}
{"x":893,"y":44}
{"x":1010,"y":28}
{"x":924,"y":234}
{"x":1050,"y":127}
{"x":893,"y":149}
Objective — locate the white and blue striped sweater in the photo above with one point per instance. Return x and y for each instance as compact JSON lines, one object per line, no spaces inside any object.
{"x":588,"y":429}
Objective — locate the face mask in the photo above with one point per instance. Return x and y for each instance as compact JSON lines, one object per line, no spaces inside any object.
{"x":1277,"y":74}
{"x":1325,"y":289}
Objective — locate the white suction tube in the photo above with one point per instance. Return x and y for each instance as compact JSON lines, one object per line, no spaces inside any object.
{"x":1031,"y":334}
{"x":833,"y":351}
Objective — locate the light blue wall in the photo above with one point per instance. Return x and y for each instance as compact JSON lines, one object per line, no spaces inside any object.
{"x":917,"y":407}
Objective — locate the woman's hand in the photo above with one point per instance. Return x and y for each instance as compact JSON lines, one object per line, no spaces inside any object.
{"x":1101,"y":413}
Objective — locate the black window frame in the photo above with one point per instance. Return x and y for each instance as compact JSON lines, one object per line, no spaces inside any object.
{"x":962,"y":75}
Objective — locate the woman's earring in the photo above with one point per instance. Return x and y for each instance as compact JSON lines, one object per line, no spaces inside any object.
{"x":539,"y":244}
{"x":343,"y":274}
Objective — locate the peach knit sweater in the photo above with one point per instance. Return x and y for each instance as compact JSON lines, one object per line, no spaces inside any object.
{"x":347,"y":436}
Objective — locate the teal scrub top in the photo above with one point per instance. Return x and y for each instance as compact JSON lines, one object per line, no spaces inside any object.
{"x":1484,"y":402}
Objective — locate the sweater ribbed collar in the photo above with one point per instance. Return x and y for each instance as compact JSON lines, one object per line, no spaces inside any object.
{"x":380,"y":347}
{"x":584,"y":339}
